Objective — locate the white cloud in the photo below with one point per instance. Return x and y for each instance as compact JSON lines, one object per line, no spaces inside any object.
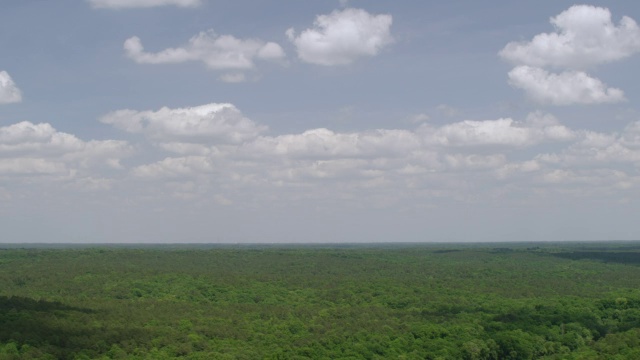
{"x":27,"y":148}
{"x":488,"y":132}
{"x":586,"y":182}
{"x":175,"y":167}
{"x":350,"y":161}
{"x":123,"y":4}
{"x":526,"y":167}
{"x":474,"y":161}
{"x":9,"y":92}
{"x":566,"y":88}
{"x":221,"y":129}
{"x":211,"y":123}
{"x":217,"y":52}
{"x":271,"y":51}
{"x":465,"y":161}
{"x":219,"y":134}
{"x":585,"y":36}
{"x":501,"y":132}
{"x":631,"y":135}
{"x":324,"y":143}
{"x":597,"y":149}
{"x":30,"y":166}
{"x":342,"y":37}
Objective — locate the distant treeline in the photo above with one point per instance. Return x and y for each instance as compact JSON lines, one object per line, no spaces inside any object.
{"x":625,"y":257}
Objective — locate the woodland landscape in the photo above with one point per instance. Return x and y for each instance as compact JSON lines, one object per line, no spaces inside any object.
{"x":401,"y":301}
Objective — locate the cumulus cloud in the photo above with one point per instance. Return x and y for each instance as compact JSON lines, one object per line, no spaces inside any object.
{"x":596,"y":149}
{"x":28,"y":148}
{"x":123,"y":4}
{"x":324,"y":143}
{"x":631,"y":135}
{"x":9,"y":92}
{"x":213,"y":150}
{"x":474,"y":161}
{"x":221,"y":129}
{"x":342,"y":37}
{"x":175,"y":167}
{"x":30,"y":166}
{"x":217,"y":52}
{"x":585,"y":35}
{"x":206,"y":158}
{"x":526,"y":167}
{"x":488,"y":132}
{"x":393,"y":153}
{"x":565,"y":88}
{"x":214,"y":123}
{"x":501,"y":132}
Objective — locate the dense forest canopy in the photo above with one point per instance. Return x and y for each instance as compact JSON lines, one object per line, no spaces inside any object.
{"x":474,"y":301}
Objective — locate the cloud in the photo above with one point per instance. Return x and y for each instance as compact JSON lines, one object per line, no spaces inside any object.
{"x":9,"y":92}
{"x":598,"y":149}
{"x":217,"y":52}
{"x":205,"y":158}
{"x":324,"y":143}
{"x":222,"y":130}
{"x":500,"y":132}
{"x":175,"y":167}
{"x":584,"y":36}
{"x":525,"y":167}
{"x":208,"y":151}
{"x":566,"y":88}
{"x":211,"y":123}
{"x":474,"y":161}
{"x":30,"y":166}
{"x":342,"y":37}
{"x":28,"y":148}
{"x":487,"y":132}
{"x":124,"y":4}
{"x":631,"y":135}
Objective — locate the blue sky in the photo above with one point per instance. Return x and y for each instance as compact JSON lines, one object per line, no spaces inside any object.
{"x":334,"y":121}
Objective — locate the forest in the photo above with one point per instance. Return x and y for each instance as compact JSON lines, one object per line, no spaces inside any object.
{"x":374,"y":301}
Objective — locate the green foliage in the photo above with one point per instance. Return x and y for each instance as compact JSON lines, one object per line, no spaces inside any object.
{"x":399,"y":302}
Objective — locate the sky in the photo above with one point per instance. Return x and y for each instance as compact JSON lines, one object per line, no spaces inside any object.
{"x":219,"y":121}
